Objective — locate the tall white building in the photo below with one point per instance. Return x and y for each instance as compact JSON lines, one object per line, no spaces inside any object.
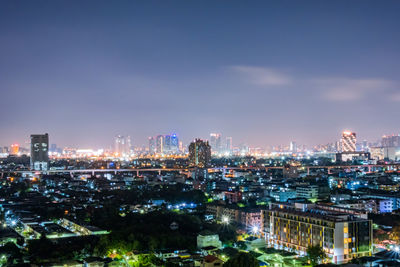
{"x":229,"y":145}
{"x":122,"y":145}
{"x":293,"y":147}
{"x":215,"y":143}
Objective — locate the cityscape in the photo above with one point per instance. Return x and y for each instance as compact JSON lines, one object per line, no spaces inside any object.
{"x":200,"y":133}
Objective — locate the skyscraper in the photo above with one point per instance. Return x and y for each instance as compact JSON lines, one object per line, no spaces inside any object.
{"x":152,"y":145}
{"x":391,"y":141}
{"x":199,"y":153}
{"x":39,"y":152}
{"x":349,"y":141}
{"x":170,"y":144}
{"x":215,"y":142}
{"x":229,"y":145}
{"x":293,"y":147}
{"x":122,"y":145}
{"x":160,"y":144}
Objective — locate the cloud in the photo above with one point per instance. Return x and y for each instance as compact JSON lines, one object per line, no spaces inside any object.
{"x":262,"y":76}
{"x":347,"y":89}
{"x":332,"y":89}
{"x":395,"y":97}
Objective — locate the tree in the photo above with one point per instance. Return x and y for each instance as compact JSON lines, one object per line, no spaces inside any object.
{"x":242,"y":259}
{"x":395,"y":234}
{"x":315,"y":254}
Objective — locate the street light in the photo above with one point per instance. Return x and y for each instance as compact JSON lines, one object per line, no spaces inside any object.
{"x":225,"y":219}
{"x":255,"y":229}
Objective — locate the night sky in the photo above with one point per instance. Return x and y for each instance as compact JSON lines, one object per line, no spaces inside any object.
{"x":263,"y":72}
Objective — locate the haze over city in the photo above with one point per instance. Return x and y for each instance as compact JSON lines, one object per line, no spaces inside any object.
{"x":265,"y":73}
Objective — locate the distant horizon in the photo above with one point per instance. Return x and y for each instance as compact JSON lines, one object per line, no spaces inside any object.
{"x":235,"y":144}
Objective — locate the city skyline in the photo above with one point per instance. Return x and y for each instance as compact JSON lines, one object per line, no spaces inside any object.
{"x":265,"y":73}
{"x":132,"y":142}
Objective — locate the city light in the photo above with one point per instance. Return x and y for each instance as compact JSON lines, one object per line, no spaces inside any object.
{"x":255,"y":229}
{"x":225,"y":220}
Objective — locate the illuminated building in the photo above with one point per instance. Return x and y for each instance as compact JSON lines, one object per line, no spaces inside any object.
{"x":293,"y":147}
{"x":14,"y":149}
{"x":181,"y":147}
{"x":229,"y":145}
{"x":307,"y":192}
{"x":349,"y":141}
{"x":343,"y":234}
{"x":199,"y":153}
{"x":391,"y":141}
{"x":39,"y":152}
{"x":171,"y":144}
{"x":160,"y":144}
{"x":122,"y":145}
{"x":353,"y":155}
{"x":152,"y":145}
{"x":215,"y":143}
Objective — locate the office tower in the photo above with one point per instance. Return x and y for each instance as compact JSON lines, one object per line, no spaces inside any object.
{"x":152,"y":145}
{"x":39,"y":152}
{"x":119,"y":145}
{"x":181,"y":149}
{"x":391,"y":141}
{"x":160,"y":144}
{"x":170,"y":145}
{"x":122,"y":145}
{"x":128,"y":145}
{"x":343,"y":233}
{"x":229,"y":145}
{"x":14,"y":149}
{"x":174,"y":145}
{"x":349,"y":141}
{"x":293,"y":147}
{"x":199,"y":153}
{"x":215,"y":143}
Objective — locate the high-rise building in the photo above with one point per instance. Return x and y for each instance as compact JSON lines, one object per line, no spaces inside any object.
{"x":181,"y":149}
{"x":119,"y":145}
{"x":293,"y":147}
{"x":128,"y":147}
{"x":215,"y":143}
{"x":391,"y":141}
{"x":229,"y":145}
{"x":349,"y":141}
{"x":152,"y":145}
{"x":122,"y":145}
{"x":160,"y":144}
{"x":40,"y":152}
{"x":174,"y":146}
{"x":199,"y":153}
{"x":14,"y":149}
{"x":171,"y":144}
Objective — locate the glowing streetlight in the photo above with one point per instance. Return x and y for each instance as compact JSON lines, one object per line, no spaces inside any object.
{"x":255,"y":229}
{"x":225,"y":219}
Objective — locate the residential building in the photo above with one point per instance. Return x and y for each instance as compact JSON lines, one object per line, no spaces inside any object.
{"x":343,"y":236}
